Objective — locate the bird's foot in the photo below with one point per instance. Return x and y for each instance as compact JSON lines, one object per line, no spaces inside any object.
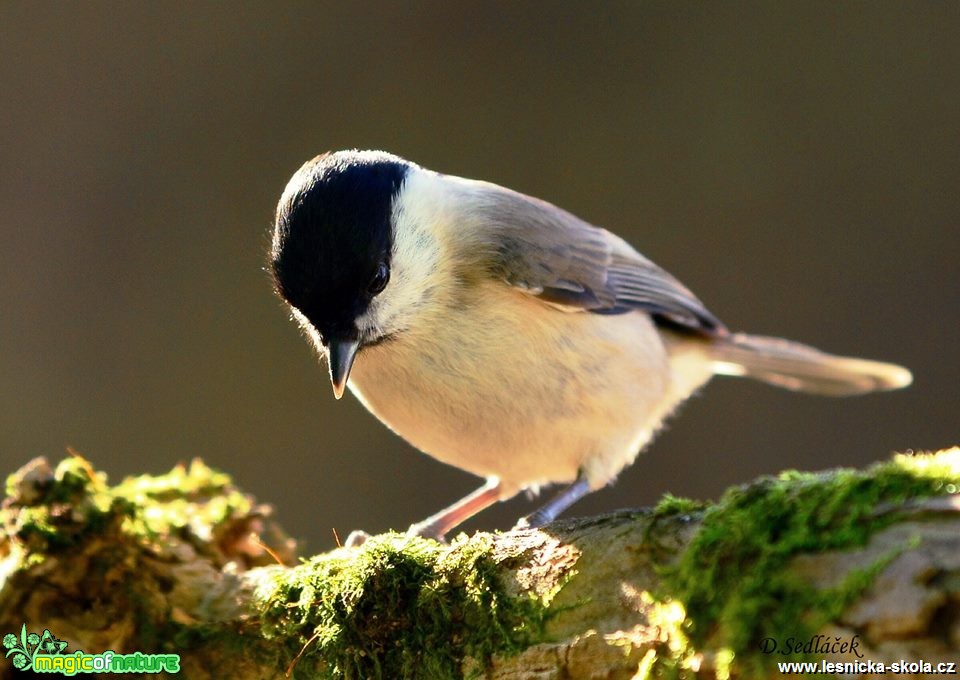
{"x":428,"y":529}
{"x":549,"y":512}
{"x":531,"y":521}
{"x":356,"y":538}
{"x":424,"y":530}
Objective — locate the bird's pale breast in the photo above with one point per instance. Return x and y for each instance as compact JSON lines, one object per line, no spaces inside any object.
{"x":521,"y":391}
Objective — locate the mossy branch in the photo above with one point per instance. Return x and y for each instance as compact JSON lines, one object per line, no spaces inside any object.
{"x":185,"y":563}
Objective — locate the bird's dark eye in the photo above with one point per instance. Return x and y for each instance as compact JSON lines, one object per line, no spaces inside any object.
{"x":380,"y":279}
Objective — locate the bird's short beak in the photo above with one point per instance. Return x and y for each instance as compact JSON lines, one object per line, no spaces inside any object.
{"x":340,"y":355}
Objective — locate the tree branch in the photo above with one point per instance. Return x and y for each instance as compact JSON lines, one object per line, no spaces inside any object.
{"x":185,"y":563}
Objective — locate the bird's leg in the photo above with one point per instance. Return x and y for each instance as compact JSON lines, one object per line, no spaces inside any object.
{"x":436,"y":526}
{"x":549,"y":511}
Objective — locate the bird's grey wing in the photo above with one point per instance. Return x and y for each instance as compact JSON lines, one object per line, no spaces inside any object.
{"x":548,"y":252}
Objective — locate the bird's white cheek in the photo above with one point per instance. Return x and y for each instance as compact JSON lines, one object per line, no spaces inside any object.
{"x":402,"y":305}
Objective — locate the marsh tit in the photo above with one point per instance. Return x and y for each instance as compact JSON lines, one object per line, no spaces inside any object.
{"x":503,"y":335}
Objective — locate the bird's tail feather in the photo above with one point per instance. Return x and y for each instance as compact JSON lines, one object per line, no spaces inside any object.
{"x":795,"y":366}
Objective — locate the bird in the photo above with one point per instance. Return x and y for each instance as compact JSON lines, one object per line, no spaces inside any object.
{"x":503,"y":335}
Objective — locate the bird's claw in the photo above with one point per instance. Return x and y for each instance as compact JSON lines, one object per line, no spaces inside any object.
{"x":356,"y":538}
{"x":522,"y":524}
{"x":426,"y":530}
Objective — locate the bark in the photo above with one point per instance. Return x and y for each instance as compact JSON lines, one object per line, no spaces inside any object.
{"x":187,"y":564}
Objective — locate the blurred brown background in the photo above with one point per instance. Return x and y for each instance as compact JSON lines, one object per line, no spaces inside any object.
{"x":796,"y":164}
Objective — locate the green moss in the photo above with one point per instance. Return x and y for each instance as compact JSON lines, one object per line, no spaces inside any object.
{"x":670,"y":506}
{"x":398,"y":607}
{"x":733,"y":580}
{"x":53,"y":510}
{"x":194,"y":498}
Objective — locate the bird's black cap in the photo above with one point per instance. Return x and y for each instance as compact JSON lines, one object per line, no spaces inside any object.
{"x":332,"y":233}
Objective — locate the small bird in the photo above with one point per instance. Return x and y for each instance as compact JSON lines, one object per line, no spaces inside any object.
{"x":503,"y":335}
